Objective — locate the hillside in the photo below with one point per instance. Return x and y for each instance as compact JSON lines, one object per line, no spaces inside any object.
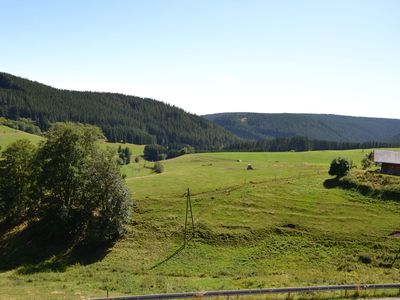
{"x":127,"y":118}
{"x":274,"y":226}
{"x":9,"y":135}
{"x":257,"y":126}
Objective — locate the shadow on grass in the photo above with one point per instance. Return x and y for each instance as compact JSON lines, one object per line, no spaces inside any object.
{"x":331,"y":183}
{"x":177,"y":251}
{"x":24,"y":247}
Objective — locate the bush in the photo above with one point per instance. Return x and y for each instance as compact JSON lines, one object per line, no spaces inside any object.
{"x":158,"y":167}
{"x":340,"y":167}
{"x":367,"y":161}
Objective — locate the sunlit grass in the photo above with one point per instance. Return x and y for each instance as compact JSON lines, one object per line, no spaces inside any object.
{"x":274,"y":226}
{"x":9,"y":135}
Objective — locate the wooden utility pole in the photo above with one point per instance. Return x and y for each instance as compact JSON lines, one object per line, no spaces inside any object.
{"x":188,"y":210}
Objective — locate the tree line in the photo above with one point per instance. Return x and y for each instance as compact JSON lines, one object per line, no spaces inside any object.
{"x":23,"y":124}
{"x":301,"y":144}
{"x":156,"y":152}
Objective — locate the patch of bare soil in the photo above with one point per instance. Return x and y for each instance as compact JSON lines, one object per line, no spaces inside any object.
{"x":395,"y":234}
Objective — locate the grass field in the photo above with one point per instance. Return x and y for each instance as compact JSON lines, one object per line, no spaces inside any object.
{"x":274,"y":226}
{"x":9,"y":135}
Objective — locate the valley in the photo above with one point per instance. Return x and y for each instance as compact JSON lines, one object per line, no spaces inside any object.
{"x":274,"y":226}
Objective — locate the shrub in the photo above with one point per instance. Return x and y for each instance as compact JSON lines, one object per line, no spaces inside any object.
{"x":366,"y":162}
{"x":340,"y":167}
{"x":158,"y":167}
{"x":365,"y":259}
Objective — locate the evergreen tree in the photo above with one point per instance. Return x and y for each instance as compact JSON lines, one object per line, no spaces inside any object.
{"x":127,"y":154}
{"x":154,"y":152}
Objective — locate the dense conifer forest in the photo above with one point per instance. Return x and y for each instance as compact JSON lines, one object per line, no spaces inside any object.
{"x":122,"y":118}
{"x":258,"y":126}
{"x":301,"y":144}
{"x":31,"y":106}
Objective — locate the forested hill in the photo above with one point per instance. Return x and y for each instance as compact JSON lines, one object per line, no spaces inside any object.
{"x":257,"y":126}
{"x":128,"y":118}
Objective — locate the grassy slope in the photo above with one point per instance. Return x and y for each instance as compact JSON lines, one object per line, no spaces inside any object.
{"x":9,"y":135}
{"x":133,"y":169}
{"x":241,"y":238}
{"x":136,"y":150}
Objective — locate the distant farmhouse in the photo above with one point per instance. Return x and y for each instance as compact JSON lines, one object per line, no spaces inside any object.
{"x":390,"y":161}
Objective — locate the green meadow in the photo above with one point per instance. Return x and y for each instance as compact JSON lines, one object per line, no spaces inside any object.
{"x":275,"y":226}
{"x":9,"y":135}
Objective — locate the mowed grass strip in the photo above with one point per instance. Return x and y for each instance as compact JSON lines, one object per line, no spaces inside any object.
{"x":276,"y":225}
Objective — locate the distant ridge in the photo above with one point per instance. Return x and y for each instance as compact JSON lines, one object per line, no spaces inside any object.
{"x":144,"y":121}
{"x":122,"y":118}
{"x":259,"y":126}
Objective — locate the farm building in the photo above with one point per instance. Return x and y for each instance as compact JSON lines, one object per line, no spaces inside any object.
{"x":390,"y":161}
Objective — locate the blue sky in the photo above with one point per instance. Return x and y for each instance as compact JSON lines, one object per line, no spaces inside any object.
{"x":335,"y":56}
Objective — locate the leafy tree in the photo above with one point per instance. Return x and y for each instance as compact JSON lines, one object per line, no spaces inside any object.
{"x":340,"y":167}
{"x":109,"y":201}
{"x":62,"y":162}
{"x":16,"y":180}
{"x":127,"y":154}
{"x":79,"y":186}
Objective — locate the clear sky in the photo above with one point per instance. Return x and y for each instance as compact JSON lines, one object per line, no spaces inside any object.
{"x":209,"y":56}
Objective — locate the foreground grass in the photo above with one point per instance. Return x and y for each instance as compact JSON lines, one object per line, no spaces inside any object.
{"x":276,"y":225}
